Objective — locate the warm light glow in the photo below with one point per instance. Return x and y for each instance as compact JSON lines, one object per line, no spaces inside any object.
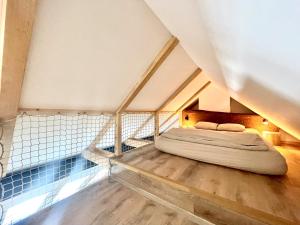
{"x":186,"y":117}
{"x":188,"y":124}
{"x":284,"y":127}
{"x":271,"y":137}
{"x":265,"y":122}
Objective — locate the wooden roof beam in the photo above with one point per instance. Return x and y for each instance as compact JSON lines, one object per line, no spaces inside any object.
{"x":159,"y":59}
{"x":186,"y":102}
{"x":19,"y":18}
{"x":179,"y":89}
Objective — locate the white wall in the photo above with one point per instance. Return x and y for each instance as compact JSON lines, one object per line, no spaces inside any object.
{"x":89,"y":54}
{"x":250,"y":47}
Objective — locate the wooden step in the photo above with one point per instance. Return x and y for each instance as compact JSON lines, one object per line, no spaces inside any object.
{"x":135,"y":142}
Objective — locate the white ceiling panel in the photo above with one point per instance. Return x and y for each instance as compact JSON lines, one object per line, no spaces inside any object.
{"x":88,"y":55}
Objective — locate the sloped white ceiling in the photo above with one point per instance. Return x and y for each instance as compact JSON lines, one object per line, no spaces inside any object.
{"x":249,"y":47}
{"x":89,"y":55}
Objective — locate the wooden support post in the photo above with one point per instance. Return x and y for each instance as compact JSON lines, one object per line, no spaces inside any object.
{"x":186,"y":102}
{"x":18,"y":19}
{"x":156,"y":124}
{"x":118,"y":134}
{"x":6,"y":132}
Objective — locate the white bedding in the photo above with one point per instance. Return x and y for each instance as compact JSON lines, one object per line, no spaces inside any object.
{"x":237,"y":140}
{"x":224,"y":149}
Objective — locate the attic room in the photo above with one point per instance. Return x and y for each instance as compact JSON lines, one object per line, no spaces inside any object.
{"x":149,"y":112}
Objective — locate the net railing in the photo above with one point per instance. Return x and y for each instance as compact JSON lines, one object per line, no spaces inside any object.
{"x":45,"y":164}
{"x":47,"y":161}
{"x":167,"y":121}
{"x":137,"y":130}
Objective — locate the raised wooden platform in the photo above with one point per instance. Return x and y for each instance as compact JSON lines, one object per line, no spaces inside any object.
{"x":107,"y":203}
{"x":218,"y":194}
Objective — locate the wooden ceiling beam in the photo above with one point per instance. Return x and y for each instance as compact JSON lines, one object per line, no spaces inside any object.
{"x":193,"y":96}
{"x":179,"y":89}
{"x":159,"y":59}
{"x":19,"y":18}
{"x":186,"y":102}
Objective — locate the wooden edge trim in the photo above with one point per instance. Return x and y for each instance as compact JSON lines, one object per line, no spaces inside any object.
{"x":97,"y":152}
{"x":33,"y":111}
{"x":290,"y":143}
{"x":138,"y":112}
{"x":133,"y":152}
{"x":222,"y":202}
{"x":159,"y":59}
{"x":162,"y":111}
{"x":36,"y":111}
{"x":179,"y":89}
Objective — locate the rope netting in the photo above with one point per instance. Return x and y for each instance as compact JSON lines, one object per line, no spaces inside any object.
{"x":137,"y":130}
{"x":168,"y":120}
{"x":46,"y":162}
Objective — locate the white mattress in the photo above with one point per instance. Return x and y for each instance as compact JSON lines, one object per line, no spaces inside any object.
{"x":269,"y":162}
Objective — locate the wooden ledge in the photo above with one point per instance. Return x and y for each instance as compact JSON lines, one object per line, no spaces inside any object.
{"x":98,"y":156}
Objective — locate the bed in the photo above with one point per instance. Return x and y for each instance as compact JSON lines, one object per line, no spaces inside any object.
{"x":239,"y":150}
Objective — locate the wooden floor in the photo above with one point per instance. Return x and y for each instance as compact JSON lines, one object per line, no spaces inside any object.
{"x":107,"y":203}
{"x":278,"y":196}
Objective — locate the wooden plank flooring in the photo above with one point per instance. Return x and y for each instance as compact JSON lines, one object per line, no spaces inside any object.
{"x":273,"y":195}
{"x":107,"y":203}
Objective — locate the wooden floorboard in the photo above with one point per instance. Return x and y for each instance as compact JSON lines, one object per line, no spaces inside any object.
{"x":107,"y":203}
{"x":277,"y":196}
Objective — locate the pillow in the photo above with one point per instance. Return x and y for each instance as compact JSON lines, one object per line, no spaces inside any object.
{"x":206,"y":125}
{"x":231,"y":127}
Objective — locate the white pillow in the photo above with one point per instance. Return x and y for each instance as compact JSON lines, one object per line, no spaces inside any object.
{"x":231,"y":127}
{"x":206,"y":125}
